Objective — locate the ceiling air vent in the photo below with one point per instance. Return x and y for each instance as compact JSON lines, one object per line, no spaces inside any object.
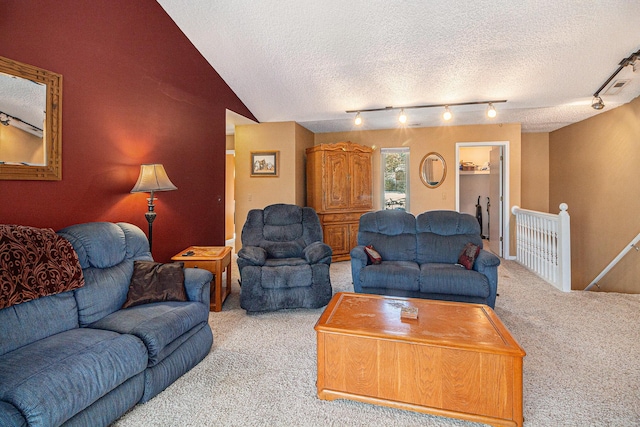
{"x":616,"y":87}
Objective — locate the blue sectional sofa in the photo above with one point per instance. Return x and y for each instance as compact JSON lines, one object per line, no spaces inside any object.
{"x":76,"y":358}
{"x":420,"y":257}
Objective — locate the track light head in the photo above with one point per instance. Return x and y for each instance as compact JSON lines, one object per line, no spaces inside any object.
{"x":597,"y":103}
{"x":358,"y":120}
{"x":402,"y":118}
{"x":447,"y":113}
{"x":491,"y":111}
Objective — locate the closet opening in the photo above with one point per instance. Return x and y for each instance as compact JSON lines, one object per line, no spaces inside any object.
{"x":482,"y":190}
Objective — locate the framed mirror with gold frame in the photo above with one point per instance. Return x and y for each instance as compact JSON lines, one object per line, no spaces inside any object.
{"x":433,"y":170}
{"x":30,"y":122}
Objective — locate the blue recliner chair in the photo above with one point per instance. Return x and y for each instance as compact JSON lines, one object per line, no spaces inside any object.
{"x":283,"y":262}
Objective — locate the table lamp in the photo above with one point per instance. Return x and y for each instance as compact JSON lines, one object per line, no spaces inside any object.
{"x":152,"y":178}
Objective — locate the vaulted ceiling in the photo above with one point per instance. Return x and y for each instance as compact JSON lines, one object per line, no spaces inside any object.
{"x":310,"y":61}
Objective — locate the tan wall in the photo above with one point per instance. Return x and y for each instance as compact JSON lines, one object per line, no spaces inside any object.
{"x":230,"y":142}
{"x":535,"y":172}
{"x":229,"y":189}
{"x":257,"y":192}
{"x":477,"y":155}
{"x":442,"y":140}
{"x":304,"y":140}
{"x":594,"y":169}
{"x":229,"y":196}
{"x":18,"y":146}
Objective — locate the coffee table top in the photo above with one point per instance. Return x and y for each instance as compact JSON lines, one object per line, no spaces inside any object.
{"x":441,"y":323}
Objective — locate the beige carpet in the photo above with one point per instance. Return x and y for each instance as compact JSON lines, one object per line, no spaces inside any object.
{"x":582,"y":366}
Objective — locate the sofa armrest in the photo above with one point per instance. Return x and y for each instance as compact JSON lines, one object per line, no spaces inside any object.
{"x":197,"y":284}
{"x":359,"y":257}
{"x":254,"y":255}
{"x":318,"y":252}
{"x":487,"y":263}
{"x":359,"y":260}
{"x":485,"y":260}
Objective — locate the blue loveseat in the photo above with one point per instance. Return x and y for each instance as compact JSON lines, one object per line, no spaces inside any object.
{"x":420,"y":256}
{"x":76,"y":358}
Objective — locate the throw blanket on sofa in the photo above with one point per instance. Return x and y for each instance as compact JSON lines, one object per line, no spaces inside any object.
{"x":35,"y":262}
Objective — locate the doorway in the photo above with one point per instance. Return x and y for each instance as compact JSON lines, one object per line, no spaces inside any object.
{"x":232,"y":119}
{"x":482,"y":178}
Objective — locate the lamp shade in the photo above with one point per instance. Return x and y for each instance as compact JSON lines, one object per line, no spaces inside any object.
{"x":153,"y":178}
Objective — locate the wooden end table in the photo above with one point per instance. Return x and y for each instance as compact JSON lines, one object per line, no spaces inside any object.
{"x":215,"y":259}
{"x":454,"y":360}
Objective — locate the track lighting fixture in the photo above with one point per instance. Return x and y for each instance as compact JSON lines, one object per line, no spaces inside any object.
{"x":597,"y":103}
{"x":447,"y":113}
{"x":402,"y":118}
{"x":4,"y":119}
{"x":491,"y":111}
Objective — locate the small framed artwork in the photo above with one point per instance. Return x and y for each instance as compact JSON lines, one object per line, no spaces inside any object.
{"x":265,"y":163}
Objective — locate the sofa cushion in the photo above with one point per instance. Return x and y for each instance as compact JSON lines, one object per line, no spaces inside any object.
{"x":441,"y":236}
{"x":156,"y":324}
{"x":73,"y":369}
{"x":433,"y":248}
{"x":453,"y":279}
{"x":30,"y":321}
{"x":282,"y":233}
{"x":11,"y":416}
{"x":401,"y":247}
{"x":286,"y":276}
{"x":111,"y":406}
{"x":155,"y":282}
{"x":106,"y":252}
{"x":391,"y":274}
{"x":291,"y":249}
{"x":105,"y":291}
{"x":278,"y":262}
{"x":388,"y":222}
{"x":447,"y":223}
{"x":98,"y":244}
{"x":282,"y":214}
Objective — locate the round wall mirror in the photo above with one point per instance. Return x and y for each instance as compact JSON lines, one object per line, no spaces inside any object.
{"x":433,"y":170}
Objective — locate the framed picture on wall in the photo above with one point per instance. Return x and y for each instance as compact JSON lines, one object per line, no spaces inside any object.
{"x":265,"y":163}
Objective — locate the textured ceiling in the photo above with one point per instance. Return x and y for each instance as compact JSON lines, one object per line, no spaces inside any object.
{"x":309,"y":61}
{"x":23,"y":99}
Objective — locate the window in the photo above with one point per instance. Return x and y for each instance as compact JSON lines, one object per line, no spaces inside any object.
{"x":395,"y":175}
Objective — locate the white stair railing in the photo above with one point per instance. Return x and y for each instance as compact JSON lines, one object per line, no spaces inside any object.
{"x":632,"y":245}
{"x":543,"y":244}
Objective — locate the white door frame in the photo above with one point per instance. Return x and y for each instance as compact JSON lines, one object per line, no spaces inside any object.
{"x":506,"y":214}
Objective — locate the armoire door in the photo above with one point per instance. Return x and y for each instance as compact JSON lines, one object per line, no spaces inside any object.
{"x":336,"y":173}
{"x":360,"y":181}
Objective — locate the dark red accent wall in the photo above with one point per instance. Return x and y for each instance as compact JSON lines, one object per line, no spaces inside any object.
{"x":135,"y":90}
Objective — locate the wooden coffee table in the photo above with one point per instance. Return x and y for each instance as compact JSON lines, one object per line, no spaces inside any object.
{"x":456,"y":359}
{"x":215,"y":259}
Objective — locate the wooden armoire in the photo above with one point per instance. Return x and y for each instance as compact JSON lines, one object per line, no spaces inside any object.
{"x":339,"y":188}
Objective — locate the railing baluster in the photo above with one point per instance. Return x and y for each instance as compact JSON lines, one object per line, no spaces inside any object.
{"x":543,"y":244}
